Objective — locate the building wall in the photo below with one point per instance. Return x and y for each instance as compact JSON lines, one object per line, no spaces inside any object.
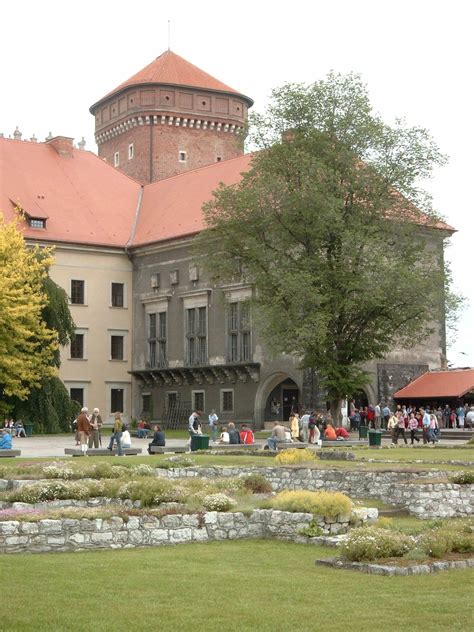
{"x":97,"y":373}
{"x":250,"y":391}
{"x":162,"y":121}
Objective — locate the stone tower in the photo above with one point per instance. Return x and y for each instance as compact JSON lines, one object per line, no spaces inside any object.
{"x":169,"y":118}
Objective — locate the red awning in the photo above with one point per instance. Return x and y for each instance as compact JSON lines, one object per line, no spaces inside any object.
{"x":436,"y":384}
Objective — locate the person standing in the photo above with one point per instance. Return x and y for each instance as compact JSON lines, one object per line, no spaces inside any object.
{"x":294,"y":426}
{"x":425,"y":425}
{"x":400,"y":429}
{"x":194,"y":425}
{"x":116,"y":435}
{"x":413,"y":427}
{"x":95,"y":423}
{"x":83,"y":428}
{"x":213,"y":419}
{"x":386,"y":413}
{"x":461,"y":413}
{"x":378,"y":416}
{"x":392,"y":425}
{"x":304,"y":422}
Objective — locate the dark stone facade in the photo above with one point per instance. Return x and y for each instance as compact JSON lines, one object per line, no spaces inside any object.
{"x":393,"y":377}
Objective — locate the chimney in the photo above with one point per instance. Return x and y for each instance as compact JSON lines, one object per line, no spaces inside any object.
{"x":17,"y":134}
{"x":62,"y":144}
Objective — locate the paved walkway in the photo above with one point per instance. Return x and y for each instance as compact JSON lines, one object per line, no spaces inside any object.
{"x":53,"y":445}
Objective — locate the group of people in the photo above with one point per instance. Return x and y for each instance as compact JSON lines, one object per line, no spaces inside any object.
{"x":309,"y":428}
{"x":87,"y":429}
{"x":228,"y":434}
{"x":378,"y":416}
{"x":414,"y":421}
{"x":14,"y":428}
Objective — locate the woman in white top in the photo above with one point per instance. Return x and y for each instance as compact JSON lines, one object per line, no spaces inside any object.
{"x":224,"y":438}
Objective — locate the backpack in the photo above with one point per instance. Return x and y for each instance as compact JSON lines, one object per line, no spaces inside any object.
{"x":124,"y":427}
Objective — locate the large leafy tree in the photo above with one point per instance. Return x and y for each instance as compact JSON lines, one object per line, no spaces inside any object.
{"x":333,"y":229}
{"x":27,"y":344}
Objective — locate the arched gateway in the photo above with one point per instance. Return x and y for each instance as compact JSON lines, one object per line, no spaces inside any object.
{"x":277,"y":395}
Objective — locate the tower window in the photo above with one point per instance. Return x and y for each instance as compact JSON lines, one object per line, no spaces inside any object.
{"x":182,"y":156}
{"x":116,"y":159}
{"x":131,"y":151}
{"x":219,"y":158}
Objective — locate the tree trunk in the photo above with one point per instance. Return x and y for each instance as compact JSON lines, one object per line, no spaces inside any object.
{"x":335,"y":410}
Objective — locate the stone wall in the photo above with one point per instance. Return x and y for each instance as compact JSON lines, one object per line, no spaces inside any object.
{"x":403,"y":489}
{"x":117,"y":533}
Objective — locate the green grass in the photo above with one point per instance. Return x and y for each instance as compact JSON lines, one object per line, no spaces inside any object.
{"x":427,"y":454}
{"x":247,"y":586}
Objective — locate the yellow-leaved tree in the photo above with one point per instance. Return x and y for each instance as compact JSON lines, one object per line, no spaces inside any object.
{"x":27,"y":345}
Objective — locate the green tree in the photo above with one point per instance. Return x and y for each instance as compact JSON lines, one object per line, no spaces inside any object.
{"x":332,"y":227}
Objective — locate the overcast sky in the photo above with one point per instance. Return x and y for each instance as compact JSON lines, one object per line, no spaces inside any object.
{"x":59,"y":57}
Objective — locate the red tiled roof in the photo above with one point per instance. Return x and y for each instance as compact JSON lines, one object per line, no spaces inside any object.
{"x":173,"y":207}
{"x":169,"y":68}
{"x":435,"y":384}
{"x":83,"y":199}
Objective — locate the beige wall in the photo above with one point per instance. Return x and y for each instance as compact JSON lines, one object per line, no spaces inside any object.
{"x":98,"y":320}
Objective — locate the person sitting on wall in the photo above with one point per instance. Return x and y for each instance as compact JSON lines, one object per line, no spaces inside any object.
{"x":6,"y":442}
{"x":20,"y":429}
{"x":246,"y":435}
{"x":234,"y":436}
{"x":158,"y":438}
{"x":330,"y":433}
{"x":126,"y":438}
{"x":142,"y":432}
{"x":224,"y":438}
{"x":278,"y":436}
{"x":342,"y":434}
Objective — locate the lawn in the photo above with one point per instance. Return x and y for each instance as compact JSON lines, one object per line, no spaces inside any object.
{"x":241,"y":586}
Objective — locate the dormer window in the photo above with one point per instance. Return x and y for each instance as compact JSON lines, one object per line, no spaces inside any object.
{"x":35,"y":222}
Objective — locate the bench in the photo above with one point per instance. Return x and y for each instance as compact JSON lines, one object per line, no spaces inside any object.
{"x":341,"y":444}
{"x":298,"y":445}
{"x":9,"y":453}
{"x":162,"y":449}
{"x":235,"y":446}
{"x":101,"y":452}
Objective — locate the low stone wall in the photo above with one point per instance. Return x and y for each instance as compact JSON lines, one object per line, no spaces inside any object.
{"x":402,"y":489}
{"x":117,"y":533}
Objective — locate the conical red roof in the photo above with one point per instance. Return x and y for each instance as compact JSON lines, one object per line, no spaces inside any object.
{"x":170,"y":68}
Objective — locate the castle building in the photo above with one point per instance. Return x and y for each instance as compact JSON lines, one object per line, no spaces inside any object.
{"x":154,"y":336}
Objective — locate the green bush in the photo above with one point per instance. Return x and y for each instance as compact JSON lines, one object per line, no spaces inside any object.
{"x":463,"y":478}
{"x":256,"y":484}
{"x":313,"y":530}
{"x":328,"y":504}
{"x":218,"y":502}
{"x":370,"y":543}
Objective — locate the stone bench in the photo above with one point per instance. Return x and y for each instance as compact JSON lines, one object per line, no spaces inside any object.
{"x":342,"y":443}
{"x":299,"y":445}
{"x":101,"y":452}
{"x":9,"y":453}
{"x":162,"y":449}
{"x":235,"y":446}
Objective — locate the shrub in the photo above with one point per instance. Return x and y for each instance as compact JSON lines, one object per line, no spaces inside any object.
{"x":435,"y":543}
{"x":384,"y":523}
{"x":330,"y":504}
{"x":371,"y":543}
{"x":256,"y":484}
{"x":218,"y":502}
{"x":55,"y":471}
{"x":142,"y":470}
{"x":295,"y":455}
{"x":463,"y":478}
{"x":313,"y":530}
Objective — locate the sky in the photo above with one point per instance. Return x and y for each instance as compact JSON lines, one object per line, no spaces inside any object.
{"x":59,"y":57}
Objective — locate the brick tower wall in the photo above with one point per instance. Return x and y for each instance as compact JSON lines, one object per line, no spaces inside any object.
{"x":162,"y":146}
{"x":163,"y":121}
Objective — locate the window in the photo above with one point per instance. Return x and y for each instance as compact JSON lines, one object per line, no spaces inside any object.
{"x":227,"y":401}
{"x":116,"y":159}
{"x":198,"y":400}
{"x":118,"y":295}
{"x":77,"y":292}
{"x":36,"y":223}
{"x":157,"y":336}
{"x":116,"y":347}
{"x":196,"y":335}
{"x":219,"y":158}
{"x":77,"y":395}
{"x":238,"y":332}
{"x":116,"y":400}
{"x":146,"y":404}
{"x":171,"y":399}
{"x":77,"y":347}
{"x":182,"y":156}
{"x":174,"y":277}
{"x":131,"y":151}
